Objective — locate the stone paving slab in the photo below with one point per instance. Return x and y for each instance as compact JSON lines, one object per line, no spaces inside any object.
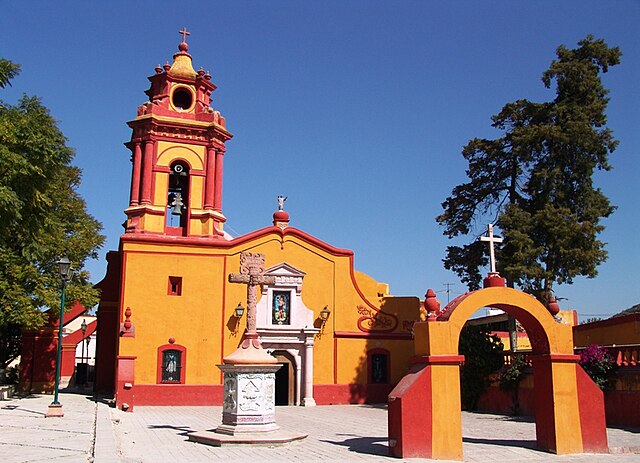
{"x":26,"y":435}
{"x":92,"y":431}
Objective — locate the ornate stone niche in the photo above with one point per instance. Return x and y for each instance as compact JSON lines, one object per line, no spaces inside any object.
{"x":281,"y":304}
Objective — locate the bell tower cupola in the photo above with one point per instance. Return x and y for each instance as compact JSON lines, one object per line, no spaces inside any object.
{"x":178,"y":147}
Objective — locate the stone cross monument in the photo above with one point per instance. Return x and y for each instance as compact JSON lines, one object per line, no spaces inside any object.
{"x":248,"y":408}
{"x":251,"y":274}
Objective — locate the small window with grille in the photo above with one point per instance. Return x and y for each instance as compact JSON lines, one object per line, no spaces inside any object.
{"x":171,"y":366}
{"x":378,"y":366}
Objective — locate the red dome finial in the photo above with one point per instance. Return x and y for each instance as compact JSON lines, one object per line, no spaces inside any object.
{"x":281,"y":217}
{"x":431,"y":305}
{"x":553,"y":306}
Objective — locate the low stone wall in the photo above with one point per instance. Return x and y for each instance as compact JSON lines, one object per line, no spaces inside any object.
{"x":621,"y":403}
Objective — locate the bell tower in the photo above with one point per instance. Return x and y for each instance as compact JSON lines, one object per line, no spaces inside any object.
{"x":178,"y":146}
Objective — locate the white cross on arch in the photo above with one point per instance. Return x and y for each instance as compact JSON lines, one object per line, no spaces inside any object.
{"x":491,"y":239}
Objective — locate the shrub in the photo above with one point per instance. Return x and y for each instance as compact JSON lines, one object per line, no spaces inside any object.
{"x":599,"y":365}
{"x":480,"y":350}
{"x":510,"y":378}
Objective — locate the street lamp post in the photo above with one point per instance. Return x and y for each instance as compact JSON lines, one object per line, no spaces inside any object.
{"x":83,"y":327}
{"x":64,"y":269}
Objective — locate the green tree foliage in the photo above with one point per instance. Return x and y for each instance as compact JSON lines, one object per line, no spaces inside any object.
{"x":535,"y":182}
{"x":482,"y":357}
{"x":630,"y":310}
{"x":42,"y":216}
{"x":510,"y":377}
{"x":8,"y":71}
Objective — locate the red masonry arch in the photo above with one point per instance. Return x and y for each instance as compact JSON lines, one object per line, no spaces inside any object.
{"x":424,"y":408}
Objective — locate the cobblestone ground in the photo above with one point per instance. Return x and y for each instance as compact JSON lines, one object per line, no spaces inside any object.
{"x":92,"y":431}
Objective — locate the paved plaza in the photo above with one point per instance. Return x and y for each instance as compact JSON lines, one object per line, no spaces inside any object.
{"x":93,"y":431}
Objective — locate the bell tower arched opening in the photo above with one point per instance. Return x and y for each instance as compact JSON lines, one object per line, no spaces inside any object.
{"x":178,"y":205}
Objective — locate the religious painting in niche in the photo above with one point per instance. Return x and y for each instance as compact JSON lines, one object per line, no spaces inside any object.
{"x":281,"y":312}
{"x":379,"y":368}
{"x":171,"y":365}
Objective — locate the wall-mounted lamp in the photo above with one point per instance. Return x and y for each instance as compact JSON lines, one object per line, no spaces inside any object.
{"x":321,"y":321}
{"x":239,"y":310}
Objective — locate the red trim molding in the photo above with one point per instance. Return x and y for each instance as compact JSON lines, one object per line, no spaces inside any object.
{"x":559,"y":358}
{"x":179,"y":394}
{"x":438,"y":359}
{"x":371,"y":335}
{"x":226,"y":244}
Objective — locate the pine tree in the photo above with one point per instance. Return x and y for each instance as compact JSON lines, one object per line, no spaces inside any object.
{"x":535,"y":182}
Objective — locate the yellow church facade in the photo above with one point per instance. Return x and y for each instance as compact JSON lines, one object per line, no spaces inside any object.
{"x":168,"y":313}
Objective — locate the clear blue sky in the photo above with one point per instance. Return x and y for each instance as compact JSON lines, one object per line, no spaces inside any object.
{"x":355,"y":110}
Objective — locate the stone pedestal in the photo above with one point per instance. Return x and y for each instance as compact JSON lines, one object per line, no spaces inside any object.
{"x":248,"y":412}
{"x":249,"y":399}
{"x":55,"y":411}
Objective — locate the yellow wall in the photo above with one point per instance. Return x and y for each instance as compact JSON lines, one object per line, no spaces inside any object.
{"x":619,"y":330}
{"x":201,"y":319}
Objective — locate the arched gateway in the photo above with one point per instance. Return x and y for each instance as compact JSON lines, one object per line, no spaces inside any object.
{"x":424,"y":408}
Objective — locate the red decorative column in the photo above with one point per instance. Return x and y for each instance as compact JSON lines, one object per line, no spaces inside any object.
{"x":147,"y":168}
{"x":210,"y":177}
{"x":135,"y":177}
{"x":421,"y":424}
{"x":124,"y":382}
{"x":68,"y":364}
{"x":217,"y":196}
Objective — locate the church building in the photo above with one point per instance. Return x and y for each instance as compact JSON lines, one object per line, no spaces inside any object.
{"x":168,"y":314}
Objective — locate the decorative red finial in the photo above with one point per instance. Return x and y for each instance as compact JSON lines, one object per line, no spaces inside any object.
{"x":431,"y":305}
{"x":281,"y":217}
{"x":127,"y":328}
{"x":553,"y":306}
{"x":127,"y":320}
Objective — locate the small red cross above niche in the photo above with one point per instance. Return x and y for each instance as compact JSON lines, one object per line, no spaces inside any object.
{"x":184,"y":34}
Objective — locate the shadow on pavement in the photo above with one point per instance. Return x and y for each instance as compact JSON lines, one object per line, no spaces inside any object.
{"x":186,"y":430}
{"x":364,"y":445}
{"x":527,"y":444}
{"x":22,"y":409}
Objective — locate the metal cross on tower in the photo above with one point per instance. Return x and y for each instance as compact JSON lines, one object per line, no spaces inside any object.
{"x":184,"y":34}
{"x":491,"y":239}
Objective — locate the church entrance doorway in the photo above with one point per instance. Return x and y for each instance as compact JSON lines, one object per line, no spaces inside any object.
{"x":285,"y":379}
